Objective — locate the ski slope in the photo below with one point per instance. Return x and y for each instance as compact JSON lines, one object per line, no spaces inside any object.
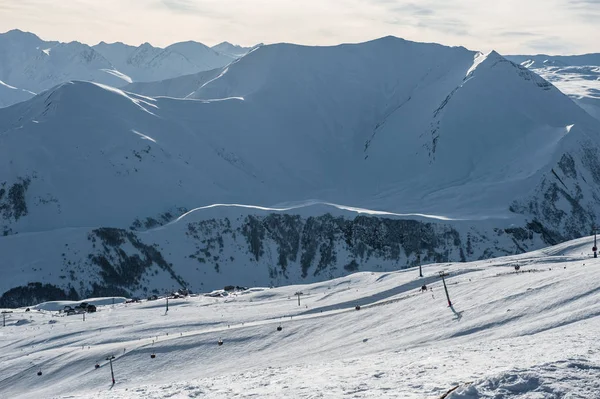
{"x":531,"y":334}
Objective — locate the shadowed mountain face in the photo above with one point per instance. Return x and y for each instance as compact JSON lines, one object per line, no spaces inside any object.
{"x":493,"y":158}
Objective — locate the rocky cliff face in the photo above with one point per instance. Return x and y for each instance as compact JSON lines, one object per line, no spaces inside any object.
{"x":254,"y":249}
{"x":565,"y":205}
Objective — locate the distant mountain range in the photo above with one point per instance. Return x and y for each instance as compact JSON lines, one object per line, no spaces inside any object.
{"x":30,"y":65}
{"x":470,"y":156}
{"x":578,"y":76}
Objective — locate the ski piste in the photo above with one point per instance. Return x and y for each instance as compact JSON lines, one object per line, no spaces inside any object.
{"x":513,"y":318}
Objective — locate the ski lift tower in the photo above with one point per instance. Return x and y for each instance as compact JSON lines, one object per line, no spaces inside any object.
{"x":298,"y":294}
{"x":595,"y":248}
{"x":442,"y":275}
{"x":419,"y":245}
{"x":112,"y":374}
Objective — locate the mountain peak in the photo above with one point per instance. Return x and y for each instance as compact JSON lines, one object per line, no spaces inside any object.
{"x":22,"y":36}
{"x":231,"y":50}
{"x":494,"y":55}
{"x":146,"y":45}
{"x":482,"y":60}
{"x":19,"y":32}
{"x":189,"y":42}
{"x":190,"y":45}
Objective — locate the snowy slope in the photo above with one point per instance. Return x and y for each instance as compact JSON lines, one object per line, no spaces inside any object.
{"x":540,"y":60}
{"x":202,"y":56}
{"x":10,"y":95}
{"x":232,"y":50}
{"x":179,"y":87}
{"x":426,"y":112}
{"x":531,"y":334}
{"x":31,"y":64}
{"x":503,"y":160}
{"x":577,"y":76}
{"x":149,"y":63}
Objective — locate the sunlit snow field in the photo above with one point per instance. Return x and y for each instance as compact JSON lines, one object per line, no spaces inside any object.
{"x":531,"y":334}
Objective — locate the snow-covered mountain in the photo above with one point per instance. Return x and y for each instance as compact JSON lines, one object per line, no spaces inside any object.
{"x":509,"y":334}
{"x":542,"y":60}
{"x":493,"y":158}
{"x":31,"y":65}
{"x":578,"y":76}
{"x":10,"y":95}
{"x":233,"y":50}
{"x":202,"y":56}
{"x":149,"y":63}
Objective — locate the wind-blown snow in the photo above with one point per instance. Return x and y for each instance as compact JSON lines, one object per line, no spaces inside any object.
{"x":299,"y":206}
{"x":10,"y":94}
{"x":119,"y":74}
{"x":530,"y":334}
{"x":144,"y":136}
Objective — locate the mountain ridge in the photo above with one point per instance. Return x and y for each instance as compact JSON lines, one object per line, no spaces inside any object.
{"x":34,"y":65}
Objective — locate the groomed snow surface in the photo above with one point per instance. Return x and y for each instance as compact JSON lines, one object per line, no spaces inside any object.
{"x":527,"y":334}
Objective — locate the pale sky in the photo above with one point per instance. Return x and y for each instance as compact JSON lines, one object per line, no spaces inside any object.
{"x":508,"y":26}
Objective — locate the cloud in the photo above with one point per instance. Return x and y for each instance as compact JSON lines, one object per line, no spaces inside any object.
{"x":412,"y":8}
{"x":586,"y":10}
{"x":595,"y":3}
{"x":179,"y":5}
{"x":516,"y":34}
{"x":427,"y":14}
{"x":190,"y":7}
{"x":548,"y":44}
{"x":453,"y":26}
